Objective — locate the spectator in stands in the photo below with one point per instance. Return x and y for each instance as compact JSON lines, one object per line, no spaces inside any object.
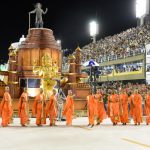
{"x":128,"y":43}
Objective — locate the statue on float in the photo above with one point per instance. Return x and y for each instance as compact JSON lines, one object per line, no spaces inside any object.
{"x":39,"y":12}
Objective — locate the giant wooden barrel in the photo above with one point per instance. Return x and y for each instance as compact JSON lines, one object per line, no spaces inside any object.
{"x":38,"y":42}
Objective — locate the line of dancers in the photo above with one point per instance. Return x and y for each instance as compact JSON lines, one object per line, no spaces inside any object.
{"x":117,"y":108}
{"x":41,"y":110}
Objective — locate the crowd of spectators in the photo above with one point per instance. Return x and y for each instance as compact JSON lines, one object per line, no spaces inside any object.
{"x":130,"y":67}
{"x":65,"y":64}
{"x":128,"y":43}
{"x":121,"y":68}
{"x":129,"y":87}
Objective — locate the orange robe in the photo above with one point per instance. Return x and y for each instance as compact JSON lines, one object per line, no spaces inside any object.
{"x":136,"y":102}
{"x":39,"y":109}
{"x":131,"y":106}
{"x":69,"y":110}
{"x":6,"y":109}
{"x":114,"y":110}
{"x":91,"y":106}
{"x":23,"y":109}
{"x":108,"y":106}
{"x":51,"y":109}
{"x":100,"y":110}
{"x":123,"y":108}
{"x":147,"y":109}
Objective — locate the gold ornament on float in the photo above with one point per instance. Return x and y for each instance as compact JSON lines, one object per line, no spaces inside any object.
{"x":12,"y":51}
{"x":48,"y":71}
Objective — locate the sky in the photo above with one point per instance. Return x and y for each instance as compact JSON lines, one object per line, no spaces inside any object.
{"x":69,"y":20}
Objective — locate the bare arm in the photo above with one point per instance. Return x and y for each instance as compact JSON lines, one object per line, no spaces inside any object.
{"x":32,"y":12}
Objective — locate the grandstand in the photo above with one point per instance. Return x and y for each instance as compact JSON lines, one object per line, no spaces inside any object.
{"x":122,"y":56}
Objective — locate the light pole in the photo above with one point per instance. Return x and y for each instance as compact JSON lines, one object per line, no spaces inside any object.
{"x":142,"y":9}
{"x":93,"y":66}
{"x":59,"y":43}
{"x":93,"y":30}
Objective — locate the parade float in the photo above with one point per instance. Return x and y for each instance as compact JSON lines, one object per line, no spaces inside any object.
{"x":36,"y":62}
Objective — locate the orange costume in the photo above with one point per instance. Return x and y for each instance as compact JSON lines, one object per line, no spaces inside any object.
{"x":51,"y":110}
{"x":6,"y":109}
{"x":69,"y":110}
{"x":108,"y":106}
{"x":136,"y":107}
{"x":131,"y":106}
{"x":91,"y":106}
{"x":23,"y":109}
{"x":114,"y":111}
{"x":100,"y":110}
{"x":39,"y":109}
{"x":123,"y":98}
{"x":147,"y":109}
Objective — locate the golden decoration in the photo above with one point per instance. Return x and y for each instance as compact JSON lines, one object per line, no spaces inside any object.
{"x":12,"y":61}
{"x":63,"y":81}
{"x":48,"y":71}
{"x":11,"y":47}
{"x":13,"y":52}
{"x":12,"y":82}
{"x":78,"y":49}
{"x":14,"y":72}
{"x":71,"y":57}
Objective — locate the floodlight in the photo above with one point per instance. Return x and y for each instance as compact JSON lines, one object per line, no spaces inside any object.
{"x":141,"y":8}
{"x":59,"y":42}
{"x":93,"y":28}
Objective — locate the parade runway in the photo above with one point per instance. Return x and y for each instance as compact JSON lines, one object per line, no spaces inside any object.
{"x":77,"y":137}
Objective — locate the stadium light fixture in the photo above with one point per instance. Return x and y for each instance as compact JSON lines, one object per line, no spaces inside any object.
{"x":93,"y":30}
{"x":59,"y":42}
{"x":141,"y":8}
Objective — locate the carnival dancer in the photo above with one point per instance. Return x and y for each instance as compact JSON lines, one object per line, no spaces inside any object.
{"x":69,"y":108}
{"x":6,"y":110}
{"x":147,"y":108}
{"x":39,"y":107}
{"x":100,"y":110}
{"x":91,"y":109}
{"x":114,"y":108}
{"x":23,"y":108}
{"x":136,"y":102}
{"x":51,"y":109}
{"x":60,"y":103}
{"x":123,"y":99}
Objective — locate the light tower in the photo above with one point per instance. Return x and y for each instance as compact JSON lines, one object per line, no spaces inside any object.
{"x":93,"y":30}
{"x":142,"y":11}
